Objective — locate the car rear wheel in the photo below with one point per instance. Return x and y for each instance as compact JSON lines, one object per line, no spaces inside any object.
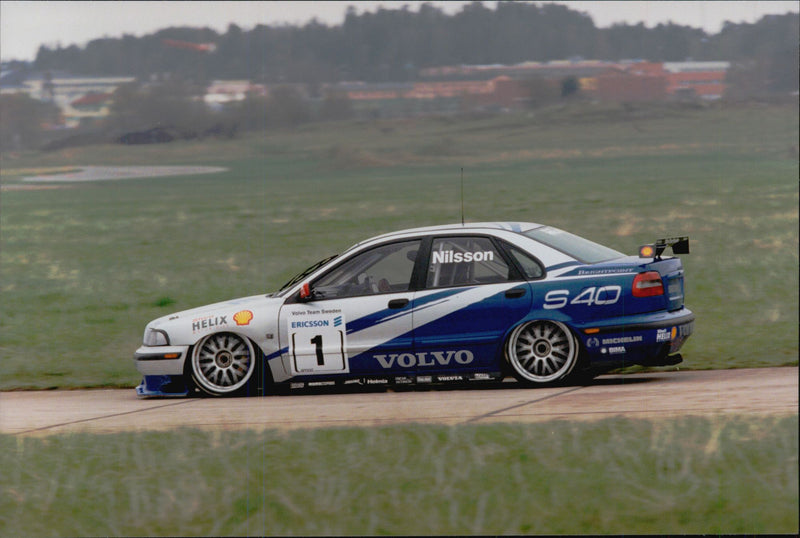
{"x":223,"y":364}
{"x":542,"y":351}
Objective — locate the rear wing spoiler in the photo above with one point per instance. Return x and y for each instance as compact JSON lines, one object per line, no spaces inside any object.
{"x":679,"y":245}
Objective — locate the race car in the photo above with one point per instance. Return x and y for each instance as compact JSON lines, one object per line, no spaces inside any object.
{"x":454,"y":303}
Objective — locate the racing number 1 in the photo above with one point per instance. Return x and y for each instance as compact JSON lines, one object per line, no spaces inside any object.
{"x":317,"y":341}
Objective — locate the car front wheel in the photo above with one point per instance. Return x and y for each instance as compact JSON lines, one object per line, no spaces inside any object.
{"x":542,"y":351}
{"x":223,"y":363}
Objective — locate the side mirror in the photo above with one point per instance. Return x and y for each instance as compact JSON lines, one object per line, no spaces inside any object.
{"x":305,"y":292}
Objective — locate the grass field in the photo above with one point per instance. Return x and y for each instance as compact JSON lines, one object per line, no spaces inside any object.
{"x":617,"y":476}
{"x":83,"y":267}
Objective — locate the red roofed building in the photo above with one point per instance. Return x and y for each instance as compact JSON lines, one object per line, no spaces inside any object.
{"x":625,"y":86}
{"x":696,"y":79}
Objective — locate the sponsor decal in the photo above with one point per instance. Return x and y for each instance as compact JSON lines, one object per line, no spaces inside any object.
{"x":616,"y":350}
{"x":448,"y":256}
{"x":403,"y":380}
{"x":208,"y":322}
{"x":433,"y":358}
{"x":622,"y":340}
{"x":610,"y":271}
{"x":665,"y":335}
{"x":321,"y":383}
{"x":377,"y":381}
{"x":482,"y":377}
{"x":356,"y":381}
{"x":309,"y":323}
{"x":323,"y":311}
{"x":424,"y":379}
{"x":592,"y":342}
{"x":449,"y":378}
{"x":243,"y":317}
{"x":296,"y":385}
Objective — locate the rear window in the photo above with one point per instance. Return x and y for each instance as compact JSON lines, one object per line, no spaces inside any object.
{"x":579,"y":248}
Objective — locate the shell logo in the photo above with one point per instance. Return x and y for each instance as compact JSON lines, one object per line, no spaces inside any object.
{"x":243,"y":317}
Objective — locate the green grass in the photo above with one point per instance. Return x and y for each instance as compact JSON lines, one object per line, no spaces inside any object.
{"x":692,"y":475}
{"x":85,"y":267}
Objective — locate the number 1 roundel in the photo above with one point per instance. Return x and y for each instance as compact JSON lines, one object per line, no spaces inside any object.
{"x":317,"y":342}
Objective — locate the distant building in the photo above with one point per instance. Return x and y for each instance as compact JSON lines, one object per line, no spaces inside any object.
{"x":623,"y":86}
{"x":630,"y":80}
{"x":79,"y":97}
{"x":705,"y":80}
{"x":220,"y":92}
{"x":524,"y":70}
{"x":426,"y":97}
{"x":91,"y":106}
{"x":375,"y":100}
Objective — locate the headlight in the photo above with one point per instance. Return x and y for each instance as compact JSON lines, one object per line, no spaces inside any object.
{"x":155,"y":337}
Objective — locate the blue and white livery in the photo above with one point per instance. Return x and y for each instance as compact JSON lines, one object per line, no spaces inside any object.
{"x":431,"y":305}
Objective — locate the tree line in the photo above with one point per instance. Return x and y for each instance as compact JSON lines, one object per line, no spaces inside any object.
{"x":387,"y":45}
{"x":394,"y":44}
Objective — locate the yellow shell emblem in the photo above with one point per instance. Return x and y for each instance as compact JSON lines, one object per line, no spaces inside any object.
{"x":243,"y":317}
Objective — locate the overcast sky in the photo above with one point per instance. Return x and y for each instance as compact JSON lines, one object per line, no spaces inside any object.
{"x":24,"y":25}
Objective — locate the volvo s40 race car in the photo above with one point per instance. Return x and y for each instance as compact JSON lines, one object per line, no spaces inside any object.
{"x":431,"y":305}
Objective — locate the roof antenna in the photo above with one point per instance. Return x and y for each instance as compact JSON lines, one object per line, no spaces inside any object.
{"x":462,"y":196}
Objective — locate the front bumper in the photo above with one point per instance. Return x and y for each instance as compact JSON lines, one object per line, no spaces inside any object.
{"x":160,"y":360}
{"x":162,"y":385}
{"x":162,"y":368}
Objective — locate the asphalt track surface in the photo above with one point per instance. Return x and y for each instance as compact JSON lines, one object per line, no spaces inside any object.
{"x":757,"y":391}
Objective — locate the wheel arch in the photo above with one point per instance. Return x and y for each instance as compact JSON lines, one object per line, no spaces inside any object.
{"x":259,"y":380}
{"x":579,"y":361}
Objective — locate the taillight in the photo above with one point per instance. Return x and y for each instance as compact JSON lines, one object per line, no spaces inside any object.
{"x":648,"y":284}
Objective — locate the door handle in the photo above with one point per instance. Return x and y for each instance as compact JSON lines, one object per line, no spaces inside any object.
{"x":398,"y":303}
{"x":515,"y":293}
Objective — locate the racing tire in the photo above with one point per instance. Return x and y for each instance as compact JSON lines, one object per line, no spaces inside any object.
{"x":542,"y":352}
{"x":224,"y":364}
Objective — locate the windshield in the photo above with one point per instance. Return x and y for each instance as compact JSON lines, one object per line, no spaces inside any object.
{"x":300,"y":276}
{"x":581,"y":249}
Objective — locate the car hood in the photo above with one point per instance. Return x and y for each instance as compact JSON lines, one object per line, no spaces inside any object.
{"x":237,"y":314}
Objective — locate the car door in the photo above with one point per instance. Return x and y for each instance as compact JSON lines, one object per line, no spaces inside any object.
{"x":358,"y":316}
{"x":473,"y":294}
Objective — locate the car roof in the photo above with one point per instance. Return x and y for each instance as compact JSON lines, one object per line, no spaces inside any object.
{"x":518,"y":227}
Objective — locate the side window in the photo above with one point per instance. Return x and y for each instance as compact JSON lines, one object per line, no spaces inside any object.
{"x":461,"y":261}
{"x":384,"y":269}
{"x":531,"y":269}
